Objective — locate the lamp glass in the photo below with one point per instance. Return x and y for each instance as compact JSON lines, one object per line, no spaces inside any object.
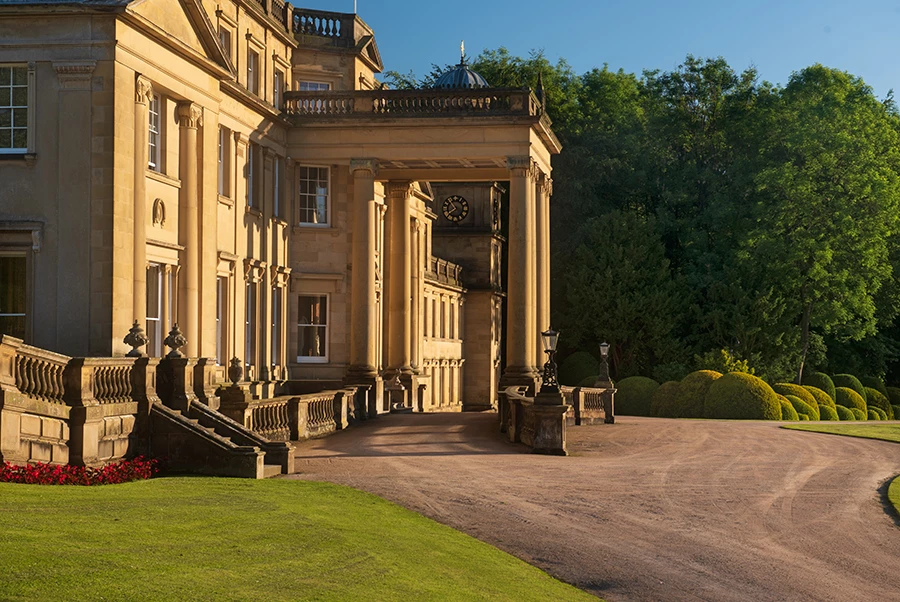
{"x":604,"y":349}
{"x":550,"y":338}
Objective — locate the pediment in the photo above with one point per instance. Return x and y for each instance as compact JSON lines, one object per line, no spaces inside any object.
{"x":369,"y":51}
{"x":184,"y":26}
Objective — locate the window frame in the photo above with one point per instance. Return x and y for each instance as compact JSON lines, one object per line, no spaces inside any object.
{"x":225,"y":39}
{"x":225,"y":158}
{"x":222,"y":288}
{"x":13,"y":107}
{"x":311,"y":85}
{"x":26,"y":314}
{"x":299,"y":196}
{"x":253,"y":68}
{"x":315,"y":359}
{"x":154,"y":133}
{"x":277,"y":88}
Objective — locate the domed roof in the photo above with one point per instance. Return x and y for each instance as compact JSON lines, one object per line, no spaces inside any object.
{"x":460,"y":77}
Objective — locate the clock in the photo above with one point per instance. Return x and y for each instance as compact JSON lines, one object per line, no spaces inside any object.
{"x":455,"y":208}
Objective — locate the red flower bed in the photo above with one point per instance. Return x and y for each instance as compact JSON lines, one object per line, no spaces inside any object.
{"x":51,"y":474}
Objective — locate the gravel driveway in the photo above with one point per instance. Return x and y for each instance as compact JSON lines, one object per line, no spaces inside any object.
{"x":648,"y":508}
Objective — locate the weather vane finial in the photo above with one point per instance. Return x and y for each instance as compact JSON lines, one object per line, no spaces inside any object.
{"x":462,"y":51}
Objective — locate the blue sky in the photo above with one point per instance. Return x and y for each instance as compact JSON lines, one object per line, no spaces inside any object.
{"x":861,"y":37}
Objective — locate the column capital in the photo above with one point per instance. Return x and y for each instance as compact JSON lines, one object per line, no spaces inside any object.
{"x":546,"y":185}
{"x":75,"y":75}
{"x":522,"y":165}
{"x":358,"y":167}
{"x":400,"y":190}
{"x":189,"y":115}
{"x":143,"y":90}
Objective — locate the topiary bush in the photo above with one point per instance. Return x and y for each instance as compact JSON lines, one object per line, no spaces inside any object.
{"x":859,"y":414}
{"x":692,"y":392}
{"x":788,"y":389}
{"x":803,"y":416}
{"x":873,"y":382}
{"x":821,"y":396}
{"x":742,"y":396}
{"x":634,"y":395}
{"x":820,"y":380}
{"x":787,"y":410}
{"x":845,"y":413}
{"x":896,"y":409}
{"x":850,"y":382}
{"x":850,"y":399}
{"x":893,"y":393}
{"x":882,"y":415}
{"x":577,"y":368}
{"x":874,"y":399}
{"x":662,"y":404}
{"x":827,"y":412}
{"x":803,"y":408}
{"x":873,"y":415}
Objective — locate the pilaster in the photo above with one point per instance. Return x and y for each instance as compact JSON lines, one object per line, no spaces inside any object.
{"x":143,"y":93}
{"x":190,"y":118}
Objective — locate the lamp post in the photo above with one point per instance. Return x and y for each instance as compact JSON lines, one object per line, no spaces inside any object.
{"x":549,"y":384}
{"x":604,"y":361}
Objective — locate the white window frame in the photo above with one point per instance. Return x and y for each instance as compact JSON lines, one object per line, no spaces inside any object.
{"x":314,"y":359}
{"x":303,"y":209}
{"x":253,"y":71}
{"x":251,"y":326}
{"x":17,"y":112}
{"x":154,"y":134}
{"x":277,"y":331}
{"x":277,"y":88}
{"x":154,"y":325}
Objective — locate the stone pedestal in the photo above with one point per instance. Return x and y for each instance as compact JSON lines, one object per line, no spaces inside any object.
{"x":175,"y":382}
{"x":234,"y":402}
{"x":549,"y":424}
{"x":369,"y":400}
{"x":205,"y":382}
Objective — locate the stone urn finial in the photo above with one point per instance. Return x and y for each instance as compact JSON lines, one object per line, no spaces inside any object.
{"x":235,"y":372}
{"x":134,"y":339}
{"x":175,"y":340}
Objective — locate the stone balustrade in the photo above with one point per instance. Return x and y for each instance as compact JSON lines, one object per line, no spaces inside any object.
{"x":445,"y":272}
{"x":323,"y":24}
{"x":590,"y":405}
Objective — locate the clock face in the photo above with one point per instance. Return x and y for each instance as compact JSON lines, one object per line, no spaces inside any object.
{"x":455,"y":208}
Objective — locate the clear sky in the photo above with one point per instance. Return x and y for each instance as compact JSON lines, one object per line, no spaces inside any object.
{"x":862,"y":37}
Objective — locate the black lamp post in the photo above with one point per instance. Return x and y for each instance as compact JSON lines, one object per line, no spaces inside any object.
{"x":549,"y":384}
{"x":604,"y":361}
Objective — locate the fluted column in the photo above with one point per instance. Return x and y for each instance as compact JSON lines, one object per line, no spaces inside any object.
{"x":400,"y":267}
{"x":190,"y":117}
{"x":416,"y":329}
{"x":542,"y":265}
{"x":363,"y":336}
{"x":521,"y":332}
{"x":143,"y":93}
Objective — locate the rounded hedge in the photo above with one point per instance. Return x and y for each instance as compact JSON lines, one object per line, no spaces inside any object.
{"x":742,"y":396}
{"x":859,"y":414}
{"x":788,"y":389}
{"x":896,"y":409}
{"x":850,"y":382}
{"x":689,"y":400}
{"x":577,"y":368}
{"x":588,"y":381}
{"x":820,"y":380}
{"x":850,"y":399}
{"x":845,"y":413}
{"x":787,"y":410}
{"x":822,"y":398}
{"x":882,"y":415}
{"x":662,"y":404}
{"x":873,"y":415}
{"x":894,"y":395}
{"x":634,"y":394}
{"x":803,"y":417}
{"x":827,"y":412}
{"x":873,"y":382}
{"x":875,"y":399}
{"x":803,"y":408}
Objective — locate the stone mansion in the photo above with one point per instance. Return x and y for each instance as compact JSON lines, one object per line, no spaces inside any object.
{"x":235,"y":168}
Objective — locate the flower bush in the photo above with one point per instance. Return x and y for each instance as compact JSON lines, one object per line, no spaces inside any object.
{"x":55,"y":474}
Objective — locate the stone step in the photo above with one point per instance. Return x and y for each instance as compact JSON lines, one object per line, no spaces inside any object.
{"x":271,"y":470}
{"x":398,"y":409}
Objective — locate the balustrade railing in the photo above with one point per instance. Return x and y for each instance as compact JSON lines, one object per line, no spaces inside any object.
{"x":589,"y":405}
{"x":322,"y":24}
{"x":112,"y":380}
{"x":37,"y":373}
{"x":270,"y":418}
{"x":320,"y":414}
{"x":278,"y":12}
{"x":445,"y":271}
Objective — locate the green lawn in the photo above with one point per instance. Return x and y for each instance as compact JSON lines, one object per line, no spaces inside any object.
{"x":884,"y":432}
{"x":232,"y":539}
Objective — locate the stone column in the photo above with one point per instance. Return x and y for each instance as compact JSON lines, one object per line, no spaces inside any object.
{"x":143,"y":93}
{"x":542,"y":267}
{"x":190,"y":117}
{"x":521,"y":332}
{"x":363,"y":332}
{"x":400,"y":264}
{"x":416,"y":301}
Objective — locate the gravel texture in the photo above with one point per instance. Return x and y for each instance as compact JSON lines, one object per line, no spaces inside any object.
{"x":646,"y":509}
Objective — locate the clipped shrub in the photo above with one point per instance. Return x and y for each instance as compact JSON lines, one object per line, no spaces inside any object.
{"x":893,"y":393}
{"x":873,"y":415}
{"x":882,"y":415}
{"x":827,"y":412}
{"x":874,"y":399}
{"x":859,"y":414}
{"x":873,"y":382}
{"x":743,"y":396}
{"x":577,"y":367}
{"x":849,"y":381}
{"x":845,"y":413}
{"x":788,"y":389}
{"x":850,"y":399}
{"x":588,"y":381}
{"x":803,"y":416}
{"x":634,"y":395}
{"x":820,"y":380}
{"x":787,"y":410}
{"x":689,"y":401}
{"x":896,"y":409}
{"x":822,"y":398}
{"x":803,"y":408}
{"x":664,"y":398}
